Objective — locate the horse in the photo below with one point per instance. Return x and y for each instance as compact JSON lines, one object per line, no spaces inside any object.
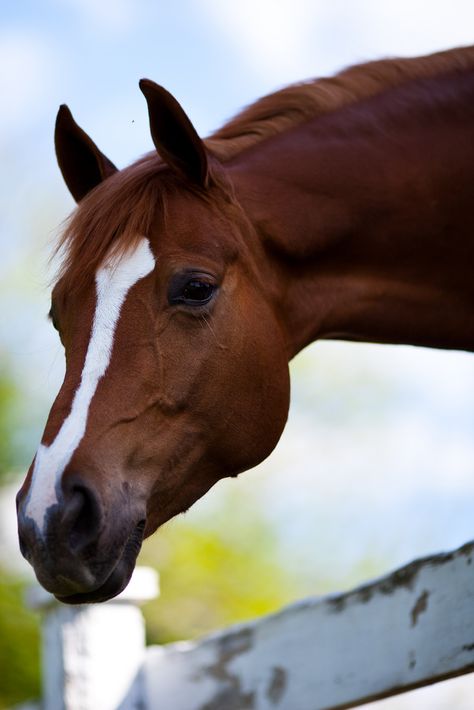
{"x":339,"y":208}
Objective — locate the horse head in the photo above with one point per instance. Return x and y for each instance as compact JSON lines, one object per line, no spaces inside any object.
{"x":176,"y":363}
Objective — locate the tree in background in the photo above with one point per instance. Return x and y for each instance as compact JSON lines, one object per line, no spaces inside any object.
{"x":19,"y":644}
{"x":216,"y":569}
{"x":19,"y":628}
{"x":9,"y":419}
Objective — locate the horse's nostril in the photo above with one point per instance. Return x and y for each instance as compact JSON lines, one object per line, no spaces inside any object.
{"x":81,"y":518}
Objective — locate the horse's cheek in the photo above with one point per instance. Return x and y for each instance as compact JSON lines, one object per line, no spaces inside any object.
{"x":271,"y":396}
{"x":258,"y":397}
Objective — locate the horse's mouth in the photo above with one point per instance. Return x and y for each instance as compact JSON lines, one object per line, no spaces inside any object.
{"x":118,"y":578}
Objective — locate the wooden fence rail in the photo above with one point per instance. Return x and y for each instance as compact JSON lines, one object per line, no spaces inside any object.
{"x":410,"y":628}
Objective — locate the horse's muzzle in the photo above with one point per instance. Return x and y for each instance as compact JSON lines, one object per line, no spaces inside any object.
{"x":86,"y":551}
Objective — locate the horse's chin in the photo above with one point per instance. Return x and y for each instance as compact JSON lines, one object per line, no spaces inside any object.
{"x":115,"y":582}
{"x":113,"y":585}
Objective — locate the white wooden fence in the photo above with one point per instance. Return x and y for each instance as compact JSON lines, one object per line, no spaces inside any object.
{"x":405,"y":630}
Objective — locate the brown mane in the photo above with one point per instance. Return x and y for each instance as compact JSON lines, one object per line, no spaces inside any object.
{"x":301,"y":102}
{"x":123,"y":207}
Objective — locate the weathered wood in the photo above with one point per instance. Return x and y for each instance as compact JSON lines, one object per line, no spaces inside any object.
{"x":408,"y":629}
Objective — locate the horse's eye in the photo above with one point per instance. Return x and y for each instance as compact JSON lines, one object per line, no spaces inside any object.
{"x":191,"y":290}
{"x":199,"y":291}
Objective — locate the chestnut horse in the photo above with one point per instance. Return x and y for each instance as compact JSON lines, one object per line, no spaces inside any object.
{"x":339,"y":208}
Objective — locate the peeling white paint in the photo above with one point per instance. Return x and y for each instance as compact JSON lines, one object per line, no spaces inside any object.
{"x":407,"y":629}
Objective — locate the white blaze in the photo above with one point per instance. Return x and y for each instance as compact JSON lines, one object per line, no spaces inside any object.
{"x":113,"y":281}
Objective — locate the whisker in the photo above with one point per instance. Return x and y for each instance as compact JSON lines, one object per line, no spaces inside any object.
{"x":208,"y":324}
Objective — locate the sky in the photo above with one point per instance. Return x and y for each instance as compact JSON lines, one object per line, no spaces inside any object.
{"x":378,"y":455}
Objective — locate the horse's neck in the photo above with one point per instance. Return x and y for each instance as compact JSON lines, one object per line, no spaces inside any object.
{"x":367,"y":221}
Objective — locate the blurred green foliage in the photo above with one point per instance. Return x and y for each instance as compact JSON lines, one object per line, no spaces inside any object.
{"x":9,"y":419}
{"x":19,"y":627}
{"x":226,"y":565}
{"x":19,"y":644}
{"x":221,"y":570}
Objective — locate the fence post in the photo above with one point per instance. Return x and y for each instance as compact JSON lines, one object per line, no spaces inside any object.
{"x":93,"y":653}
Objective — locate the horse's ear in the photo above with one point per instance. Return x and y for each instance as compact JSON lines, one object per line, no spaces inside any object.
{"x":82,"y":164}
{"x":174,"y":135}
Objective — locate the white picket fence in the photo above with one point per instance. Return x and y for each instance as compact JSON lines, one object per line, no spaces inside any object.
{"x":410,"y":628}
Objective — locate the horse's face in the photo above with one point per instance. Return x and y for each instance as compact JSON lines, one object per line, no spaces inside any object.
{"x":176,"y":376}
